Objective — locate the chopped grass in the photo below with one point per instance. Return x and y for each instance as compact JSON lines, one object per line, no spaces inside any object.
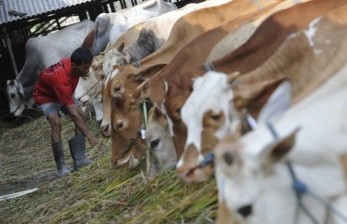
{"x":94,"y":194}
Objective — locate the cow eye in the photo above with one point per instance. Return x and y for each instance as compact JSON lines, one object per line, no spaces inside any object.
{"x":228,"y":158}
{"x":155,"y":143}
{"x":216,"y":116}
{"x":178,"y":110}
{"x":13,"y":95}
{"x":117,"y":88}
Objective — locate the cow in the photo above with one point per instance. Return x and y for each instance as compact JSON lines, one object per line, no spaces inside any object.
{"x":42,"y":52}
{"x":160,"y":58}
{"x":109,"y":26}
{"x":301,"y":144}
{"x":211,"y":121}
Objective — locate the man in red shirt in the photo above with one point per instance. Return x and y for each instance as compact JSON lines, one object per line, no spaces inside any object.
{"x":53,"y":92}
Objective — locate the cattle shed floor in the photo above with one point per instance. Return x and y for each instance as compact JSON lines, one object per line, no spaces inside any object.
{"x":94,"y":194}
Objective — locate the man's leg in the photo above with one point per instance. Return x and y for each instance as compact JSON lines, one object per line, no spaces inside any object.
{"x":57,"y":145}
{"x":77,"y":144}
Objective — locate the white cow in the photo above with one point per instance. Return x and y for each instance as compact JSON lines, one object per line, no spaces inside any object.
{"x":42,"y":52}
{"x":109,"y":26}
{"x":254,"y":180}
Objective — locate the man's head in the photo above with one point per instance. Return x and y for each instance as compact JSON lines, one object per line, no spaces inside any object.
{"x":81,"y":60}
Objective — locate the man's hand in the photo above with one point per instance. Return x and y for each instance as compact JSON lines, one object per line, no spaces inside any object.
{"x":78,"y":117}
{"x":93,"y":141}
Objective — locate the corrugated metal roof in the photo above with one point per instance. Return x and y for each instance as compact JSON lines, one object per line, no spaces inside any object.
{"x":32,"y":7}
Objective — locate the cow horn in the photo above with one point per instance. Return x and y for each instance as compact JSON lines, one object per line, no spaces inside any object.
{"x":142,"y":89}
{"x":233,"y":76}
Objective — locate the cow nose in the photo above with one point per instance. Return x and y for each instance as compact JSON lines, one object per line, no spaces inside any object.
{"x":245,"y":211}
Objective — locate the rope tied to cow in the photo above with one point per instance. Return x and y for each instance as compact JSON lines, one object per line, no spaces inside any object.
{"x":90,"y":89}
{"x":209,"y":66}
{"x":301,"y":189}
{"x":137,"y":64}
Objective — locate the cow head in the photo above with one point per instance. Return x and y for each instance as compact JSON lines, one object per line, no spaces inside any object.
{"x":245,"y":166}
{"x":247,"y":182}
{"x":107,"y":94}
{"x":114,"y":86}
{"x":87,"y":89}
{"x":116,"y":56}
{"x":208,"y":116}
{"x":126,"y":119}
{"x":96,"y":69}
{"x":127,"y":144}
{"x":159,"y":139}
{"x":16,"y":97}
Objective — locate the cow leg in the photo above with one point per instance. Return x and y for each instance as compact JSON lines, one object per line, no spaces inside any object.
{"x":77,"y":146}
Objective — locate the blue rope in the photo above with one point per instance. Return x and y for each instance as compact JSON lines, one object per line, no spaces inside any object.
{"x":209,"y":158}
{"x":209,"y":66}
{"x":299,"y":187}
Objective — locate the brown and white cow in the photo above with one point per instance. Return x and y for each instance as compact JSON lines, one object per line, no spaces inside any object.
{"x":200,"y":21}
{"x":213,"y":121}
{"x":310,"y":134}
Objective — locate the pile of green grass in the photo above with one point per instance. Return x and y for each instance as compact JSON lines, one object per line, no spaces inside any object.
{"x":96,"y":193}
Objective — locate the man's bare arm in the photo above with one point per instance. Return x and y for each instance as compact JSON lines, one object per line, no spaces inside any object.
{"x":77,"y":116}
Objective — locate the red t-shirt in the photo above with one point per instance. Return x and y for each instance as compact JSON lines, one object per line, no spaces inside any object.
{"x":56,"y":84}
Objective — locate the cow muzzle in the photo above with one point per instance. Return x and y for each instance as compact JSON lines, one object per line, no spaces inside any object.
{"x":194,"y":169}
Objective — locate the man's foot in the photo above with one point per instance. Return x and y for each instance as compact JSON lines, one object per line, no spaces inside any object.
{"x":63,"y":171}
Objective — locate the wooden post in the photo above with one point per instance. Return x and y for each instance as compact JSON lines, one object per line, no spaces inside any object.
{"x":10,"y":51}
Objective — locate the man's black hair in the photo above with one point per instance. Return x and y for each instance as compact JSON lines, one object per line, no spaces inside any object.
{"x":81,"y":55}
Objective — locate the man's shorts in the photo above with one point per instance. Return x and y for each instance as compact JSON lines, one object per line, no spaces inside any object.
{"x":55,"y":107}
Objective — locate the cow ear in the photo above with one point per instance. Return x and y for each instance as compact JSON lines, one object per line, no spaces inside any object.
{"x":121,"y":47}
{"x":20,"y":89}
{"x":157,"y":113}
{"x":142,"y":91}
{"x":117,"y":67}
{"x":278,"y":102}
{"x":278,"y":150}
